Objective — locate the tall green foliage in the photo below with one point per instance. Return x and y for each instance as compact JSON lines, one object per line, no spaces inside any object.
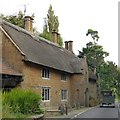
{"x":22,"y":101}
{"x":94,"y":52}
{"x":94,"y":34}
{"x":15,"y":19}
{"x":118,"y":83}
{"x":109,"y":74}
{"x":51,"y":23}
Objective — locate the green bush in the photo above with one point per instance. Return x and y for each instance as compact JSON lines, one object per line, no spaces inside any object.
{"x":22,"y":101}
{"x":0,"y":104}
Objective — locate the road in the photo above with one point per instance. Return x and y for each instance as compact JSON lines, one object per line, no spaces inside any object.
{"x":98,"y":113}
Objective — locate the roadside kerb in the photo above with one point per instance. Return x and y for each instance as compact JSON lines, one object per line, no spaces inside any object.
{"x":73,"y":113}
{"x":82,"y":111}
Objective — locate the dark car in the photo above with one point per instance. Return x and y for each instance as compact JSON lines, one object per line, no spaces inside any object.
{"x":107,"y":99}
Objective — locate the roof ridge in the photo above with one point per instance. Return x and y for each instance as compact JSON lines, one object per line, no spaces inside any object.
{"x":34,"y":36}
{"x":39,"y":38}
{"x":16,"y":27}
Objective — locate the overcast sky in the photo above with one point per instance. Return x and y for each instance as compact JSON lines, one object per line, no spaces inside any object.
{"x":75,"y":18}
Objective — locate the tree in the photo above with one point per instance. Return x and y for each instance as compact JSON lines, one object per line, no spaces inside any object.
{"x":16,"y":19}
{"x":118,"y":83}
{"x":94,"y":34}
{"x":109,"y":74}
{"x":94,"y":52}
{"x":110,"y":77}
{"x":51,"y":23}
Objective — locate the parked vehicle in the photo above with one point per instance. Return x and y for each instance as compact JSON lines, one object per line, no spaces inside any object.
{"x":107,"y":99}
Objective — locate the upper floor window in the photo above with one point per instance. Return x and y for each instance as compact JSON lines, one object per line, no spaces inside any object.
{"x":46,"y":73}
{"x":63,"y":76}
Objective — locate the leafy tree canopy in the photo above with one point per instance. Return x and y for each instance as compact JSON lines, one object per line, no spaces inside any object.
{"x":15,"y":19}
{"x":93,"y":33}
{"x":109,"y":74}
{"x":51,"y":23}
{"x":94,"y":52}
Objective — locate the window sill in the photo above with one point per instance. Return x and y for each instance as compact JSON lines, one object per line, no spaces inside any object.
{"x":64,"y":80}
{"x":64,"y":100}
{"x":45,"y":100}
{"x":45,"y":78}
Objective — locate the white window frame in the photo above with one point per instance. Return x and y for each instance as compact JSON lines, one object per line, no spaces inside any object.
{"x":48,"y":96}
{"x":63,"y":97}
{"x":45,"y":75}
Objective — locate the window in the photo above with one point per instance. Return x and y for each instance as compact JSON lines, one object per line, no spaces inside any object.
{"x":64,"y":94}
{"x":46,"y":73}
{"x":45,"y":93}
{"x":63,"y":76}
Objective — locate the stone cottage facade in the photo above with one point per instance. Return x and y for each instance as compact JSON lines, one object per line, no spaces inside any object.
{"x":93,"y":89}
{"x":52,"y":71}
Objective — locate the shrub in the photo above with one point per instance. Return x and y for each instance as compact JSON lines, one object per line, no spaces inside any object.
{"x":0,"y":103}
{"x":22,"y":101}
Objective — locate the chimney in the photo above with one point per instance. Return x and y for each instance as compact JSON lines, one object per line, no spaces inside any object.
{"x":69,"y":45}
{"x":55,"y":36}
{"x":66,"y":45}
{"x":29,"y":23}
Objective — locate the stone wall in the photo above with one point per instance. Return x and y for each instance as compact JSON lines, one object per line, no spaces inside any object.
{"x":11,"y":54}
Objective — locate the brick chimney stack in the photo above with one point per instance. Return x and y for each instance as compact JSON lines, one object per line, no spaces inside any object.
{"x":66,"y":45}
{"x":29,"y":23}
{"x":55,"y":37}
{"x":69,"y":45}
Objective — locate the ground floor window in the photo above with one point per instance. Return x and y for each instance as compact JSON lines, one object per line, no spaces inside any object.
{"x":45,"y":93}
{"x":64,"y":94}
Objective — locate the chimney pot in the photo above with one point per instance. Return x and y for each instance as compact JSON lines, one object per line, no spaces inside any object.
{"x":28,"y":23}
{"x":69,"y":45}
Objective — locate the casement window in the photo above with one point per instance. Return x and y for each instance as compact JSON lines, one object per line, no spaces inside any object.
{"x":46,"y":73}
{"x":64,"y":94}
{"x":63,"y":76}
{"x":46,"y":93}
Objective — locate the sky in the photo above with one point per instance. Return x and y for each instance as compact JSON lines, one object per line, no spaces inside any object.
{"x":75,"y":18}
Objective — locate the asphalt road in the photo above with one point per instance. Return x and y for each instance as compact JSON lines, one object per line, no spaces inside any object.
{"x":98,"y":113}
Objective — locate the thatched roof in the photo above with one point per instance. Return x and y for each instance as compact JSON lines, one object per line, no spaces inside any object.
{"x":40,"y":51}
